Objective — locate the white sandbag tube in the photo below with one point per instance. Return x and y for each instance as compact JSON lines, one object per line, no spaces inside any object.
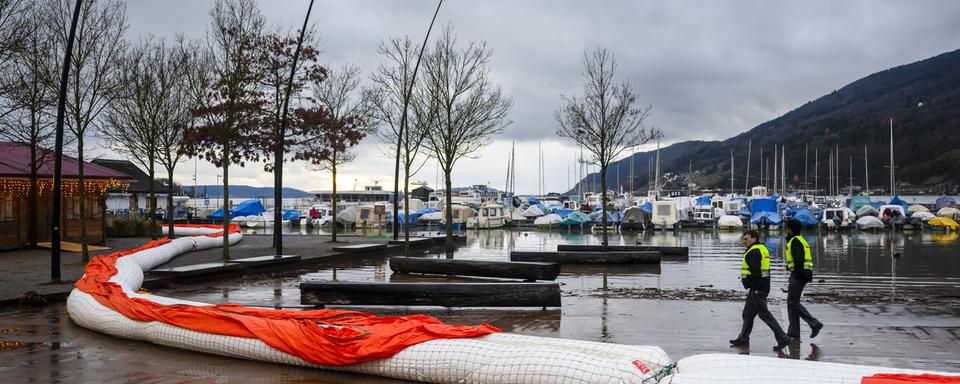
{"x":745,"y":369}
{"x":495,"y":358}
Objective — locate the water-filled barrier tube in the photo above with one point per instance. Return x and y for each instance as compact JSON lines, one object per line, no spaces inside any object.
{"x":745,"y":369}
{"x":418,"y":348}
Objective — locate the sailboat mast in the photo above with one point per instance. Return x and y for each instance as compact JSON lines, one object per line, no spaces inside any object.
{"x":866,"y":172}
{"x":851,"y":175}
{"x":746,"y":182}
{"x":806,"y":165}
{"x":783,"y":171}
{"x":731,"y":172}
{"x":657,"y":176}
{"x":763,"y":181}
{"x":775,"y":174}
{"x":893,"y":190}
{"x":816,"y":175}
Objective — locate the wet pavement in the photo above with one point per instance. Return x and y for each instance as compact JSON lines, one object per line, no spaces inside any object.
{"x":685,"y":306}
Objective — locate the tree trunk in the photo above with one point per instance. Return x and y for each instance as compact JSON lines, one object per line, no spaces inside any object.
{"x":226,"y":203}
{"x":406,"y":211}
{"x":32,"y":202}
{"x":333,"y":197}
{"x":278,"y":198}
{"x":603,"y":201}
{"x":152,"y":198}
{"x":83,"y":203}
{"x":449,"y":212}
{"x":170,"y":202}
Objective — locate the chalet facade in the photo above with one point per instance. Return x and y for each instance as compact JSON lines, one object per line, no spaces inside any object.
{"x":15,"y":215}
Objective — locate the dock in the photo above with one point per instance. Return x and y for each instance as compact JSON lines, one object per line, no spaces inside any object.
{"x":356,"y":248}
{"x":198,"y":269}
{"x":588,"y":257}
{"x":499,"y":294}
{"x":664,"y":250}
{"x":529,"y":271}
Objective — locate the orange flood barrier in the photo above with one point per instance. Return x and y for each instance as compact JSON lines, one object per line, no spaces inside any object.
{"x":897,"y":378}
{"x":327,"y":337}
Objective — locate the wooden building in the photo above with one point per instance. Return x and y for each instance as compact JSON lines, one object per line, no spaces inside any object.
{"x":15,"y":212}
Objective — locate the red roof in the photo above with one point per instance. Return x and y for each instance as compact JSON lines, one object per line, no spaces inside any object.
{"x":15,"y":162}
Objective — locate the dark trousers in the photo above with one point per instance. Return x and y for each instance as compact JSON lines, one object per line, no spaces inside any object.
{"x":756,"y":305}
{"x":795,"y":310}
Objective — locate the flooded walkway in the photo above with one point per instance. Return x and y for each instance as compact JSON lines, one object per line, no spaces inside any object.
{"x":895,"y":325}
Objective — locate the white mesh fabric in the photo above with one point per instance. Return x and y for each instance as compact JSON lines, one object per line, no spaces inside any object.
{"x":497,"y":358}
{"x":744,"y":369}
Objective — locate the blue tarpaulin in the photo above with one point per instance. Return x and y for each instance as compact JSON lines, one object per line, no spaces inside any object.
{"x":703,"y":200}
{"x":289,"y":214}
{"x":803,"y":215}
{"x":648,"y":207}
{"x":944,"y":202}
{"x":244,"y":208}
{"x":764,"y":211}
{"x":533,"y":201}
{"x":563,"y":212}
{"x":896,"y":200}
{"x":858,"y":201}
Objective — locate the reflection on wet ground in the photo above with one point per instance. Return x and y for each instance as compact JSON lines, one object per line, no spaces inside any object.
{"x":893,"y":328}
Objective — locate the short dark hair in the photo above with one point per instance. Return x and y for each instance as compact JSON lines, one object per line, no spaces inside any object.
{"x":754,"y":234}
{"x":794,"y":226}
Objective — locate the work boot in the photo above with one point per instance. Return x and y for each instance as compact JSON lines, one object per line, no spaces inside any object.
{"x":815,"y":330}
{"x":794,"y":337}
{"x":785,"y":341}
{"x":738,"y":342}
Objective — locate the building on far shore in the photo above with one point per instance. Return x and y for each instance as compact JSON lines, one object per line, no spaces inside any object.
{"x":15,"y":196}
{"x":135,"y":199}
{"x":369,"y":194}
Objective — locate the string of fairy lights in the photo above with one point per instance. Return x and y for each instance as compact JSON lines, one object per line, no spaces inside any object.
{"x":20,"y":187}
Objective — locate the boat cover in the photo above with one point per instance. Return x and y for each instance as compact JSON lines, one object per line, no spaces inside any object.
{"x":869,"y":222}
{"x":244,"y":208}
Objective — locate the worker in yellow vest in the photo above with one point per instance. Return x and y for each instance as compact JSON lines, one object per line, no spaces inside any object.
{"x":800,"y":265}
{"x":755,"y":276}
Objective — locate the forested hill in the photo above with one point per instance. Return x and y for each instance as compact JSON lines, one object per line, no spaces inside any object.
{"x":923,"y":98}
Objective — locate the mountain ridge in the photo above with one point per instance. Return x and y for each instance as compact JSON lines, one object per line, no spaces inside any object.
{"x":923,"y":98}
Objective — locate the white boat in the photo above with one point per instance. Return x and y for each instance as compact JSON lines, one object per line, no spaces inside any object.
{"x":950,"y":212}
{"x":837,"y":218}
{"x":548,"y":221}
{"x":922,"y":215}
{"x":532,"y":211}
{"x":490,"y":215}
{"x":432,"y":217}
{"x":462,"y":215}
{"x":917,"y":208}
{"x":869,"y":223}
{"x":665,"y":214}
{"x":730,"y":222}
{"x":867,"y":210}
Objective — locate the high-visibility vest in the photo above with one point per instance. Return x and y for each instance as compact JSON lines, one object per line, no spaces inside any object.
{"x":807,"y":259}
{"x":764,"y":261}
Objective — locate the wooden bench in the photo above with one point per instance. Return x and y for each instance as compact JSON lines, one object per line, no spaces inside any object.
{"x":505,"y":294}
{"x":504,"y":269}
{"x":588,"y":257}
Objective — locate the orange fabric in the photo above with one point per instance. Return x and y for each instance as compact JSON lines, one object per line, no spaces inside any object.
{"x":327,"y":337}
{"x":899,"y":378}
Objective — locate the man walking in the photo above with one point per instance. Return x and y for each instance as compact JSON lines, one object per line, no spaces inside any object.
{"x":800,"y":265}
{"x":755,"y":276}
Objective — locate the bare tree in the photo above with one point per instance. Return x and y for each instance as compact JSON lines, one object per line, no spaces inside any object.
{"x":29,"y":102}
{"x":387,"y":96}
{"x":16,"y":25}
{"x":464,"y":106}
{"x":225,"y":94}
{"x":147,"y":118}
{"x":606,"y":120}
{"x":177,"y":115}
{"x":92,"y":86}
{"x":131,"y":123}
{"x":341,"y":121}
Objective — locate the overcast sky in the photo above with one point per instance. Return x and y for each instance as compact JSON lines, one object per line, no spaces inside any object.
{"x":710,"y":69}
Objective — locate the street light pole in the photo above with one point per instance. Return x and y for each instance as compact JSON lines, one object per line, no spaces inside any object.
{"x":58,"y":155}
